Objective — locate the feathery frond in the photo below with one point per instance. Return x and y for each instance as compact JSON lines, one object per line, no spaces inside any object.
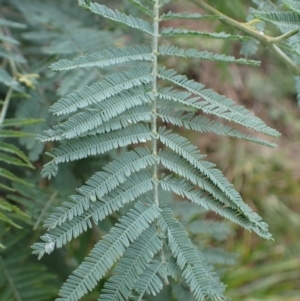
{"x":93,"y":118}
{"x":135,"y":261}
{"x":197,"y":273}
{"x":185,"y":169}
{"x":232,"y":198}
{"x":184,"y":148}
{"x":136,"y":185}
{"x":176,"y":32}
{"x":101,"y":183}
{"x":110,"y":86}
{"x":204,"y":125}
{"x":283,"y":18}
{"x":171,"y":50}
{"x":185,"y":189}
{"x":149,"y":281}
{"x":112,"y":109}
{"x":130,"y":116}
{"x":213,"y":103}
{"x":185,"y":15}
{"x":108,"y":251}
{"x":95,"y":145}
{"x":115,"y":15}
{"x":106,"y":58}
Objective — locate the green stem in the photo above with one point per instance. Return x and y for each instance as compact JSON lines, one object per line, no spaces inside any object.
{"x":247,"y":28}
{"x":154,"y":90}
{"x":5,"y":105}
{"x":288,"y":61}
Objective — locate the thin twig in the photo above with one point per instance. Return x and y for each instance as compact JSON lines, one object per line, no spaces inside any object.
{"x":247,"y":28}
{"x":5,"y":105}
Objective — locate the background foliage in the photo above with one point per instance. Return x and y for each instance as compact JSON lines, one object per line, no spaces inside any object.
{"x":268,"y":180}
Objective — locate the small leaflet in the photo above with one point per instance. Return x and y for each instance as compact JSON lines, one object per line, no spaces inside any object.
{"x":93,"y":198}
{"x":49,"y":247}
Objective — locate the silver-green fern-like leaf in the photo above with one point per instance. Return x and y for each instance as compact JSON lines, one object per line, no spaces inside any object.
{"x":110,"y":86}
{"x":176,"y":32}
{"x":106,"y":58}
{"x":101,"y":183}
{"x":131,"y":266}
{"x":183,"y":147}
{"x":115,"y":15}
{"x":108,"y":251}
{"x":171,"y":50}
{"x":130,"y":116}
{"x":150,"y":283}
{"x":204,"y":125}
{"x":98,"y":115}
{"x":94,"y":145}
{"x":213,"y":103}
{"x":58,"y":235}
{"x":185,"y":15}
{"x":203,"y":282}
{"x":282,"y":18}
{"x":147,"y":244}
{"x":175,"y":163}
{"x":187,"y":190}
